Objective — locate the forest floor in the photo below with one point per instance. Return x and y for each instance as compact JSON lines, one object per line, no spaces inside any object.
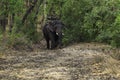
{"x":83,"y":61}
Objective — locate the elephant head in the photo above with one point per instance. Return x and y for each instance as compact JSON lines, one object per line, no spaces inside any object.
{"x":56,"y":27}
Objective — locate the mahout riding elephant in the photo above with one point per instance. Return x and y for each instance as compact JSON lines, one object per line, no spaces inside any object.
{"x":52,"y":32}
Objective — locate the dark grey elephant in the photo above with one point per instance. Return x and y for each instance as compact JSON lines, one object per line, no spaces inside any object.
{"x":52,"y":32}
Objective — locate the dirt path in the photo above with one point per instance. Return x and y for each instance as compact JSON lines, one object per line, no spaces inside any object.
{"x":88,"y":61}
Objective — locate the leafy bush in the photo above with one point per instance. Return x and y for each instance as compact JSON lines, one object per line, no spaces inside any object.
{"x":85,"y":20}
{"x":92,"y":20}
{"x":116,"y":32}
{"x":18,"y":39}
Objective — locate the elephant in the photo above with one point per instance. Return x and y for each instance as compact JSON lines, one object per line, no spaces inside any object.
{"x":52,"y":32}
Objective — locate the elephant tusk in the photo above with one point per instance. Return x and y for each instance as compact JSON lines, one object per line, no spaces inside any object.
{"x":63,"y":34}
{"x":56,"y":33}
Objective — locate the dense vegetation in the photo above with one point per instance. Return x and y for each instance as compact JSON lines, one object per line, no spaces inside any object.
{"x":85,"y":20}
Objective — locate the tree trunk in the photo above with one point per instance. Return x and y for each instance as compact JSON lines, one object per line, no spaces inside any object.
{"x":4,"y":24}
{"x":36,"y":14}
{"x":29,"y":11}
{"x":11,"y":22}
{"x":45,"y":13}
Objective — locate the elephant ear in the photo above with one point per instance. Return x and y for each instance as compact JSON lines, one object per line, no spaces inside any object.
{"x":51,"y":28}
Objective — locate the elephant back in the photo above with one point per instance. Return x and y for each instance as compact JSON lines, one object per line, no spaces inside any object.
{"x":50,"y":27}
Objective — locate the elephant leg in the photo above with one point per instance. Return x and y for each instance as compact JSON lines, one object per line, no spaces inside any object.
{"x":60,"y":41}
{"x":47,"y":40}
{"x":52,"y":38}
{"x":56,"y":40}
{"x":48,"y":44}
{"x":53,"y":44}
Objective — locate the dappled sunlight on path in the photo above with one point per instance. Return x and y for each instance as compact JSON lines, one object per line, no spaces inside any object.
{"x":85,"y":61}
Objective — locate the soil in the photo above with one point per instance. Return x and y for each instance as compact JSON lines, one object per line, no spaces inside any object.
{"x":83,"y":61}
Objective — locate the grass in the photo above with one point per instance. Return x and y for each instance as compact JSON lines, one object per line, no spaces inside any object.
{"x":98,"y":58}
{"x":116,"y":54}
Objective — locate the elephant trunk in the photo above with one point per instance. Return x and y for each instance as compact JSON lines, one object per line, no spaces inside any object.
{"x":59,"y":40}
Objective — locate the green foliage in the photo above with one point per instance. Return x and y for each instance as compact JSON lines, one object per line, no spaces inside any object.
{"x":116,"y":32}
{"x":104,"y":37}
{"x":85,"y":20}
{"x":92,"y":20}
{"x":22,"y":34}
{"x":30,"y":31}
{"x":14,"y":40}
{"x":73,"y":19}
{"x":17,"y":39}
{"x":11,"y":6}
